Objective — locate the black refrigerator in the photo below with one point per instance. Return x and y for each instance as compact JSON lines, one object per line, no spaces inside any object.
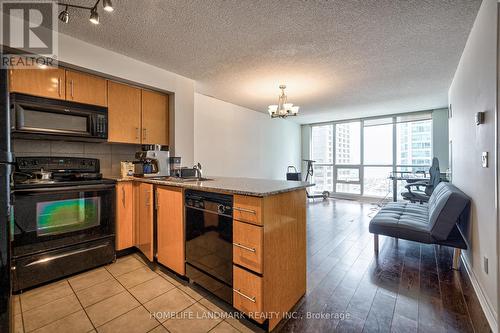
{"x":6,"y":163}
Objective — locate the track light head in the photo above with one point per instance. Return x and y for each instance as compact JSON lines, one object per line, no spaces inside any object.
{"x":94,"y":16}
{"x":64,"y":15}
{"x":107,"y":5}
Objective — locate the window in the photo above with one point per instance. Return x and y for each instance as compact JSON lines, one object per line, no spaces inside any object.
{"x":348,"y":139}
{"x":414,"y":143}
{"x":377,"y":144}
{"x":322,"y":145}
{"x":357,"y":157}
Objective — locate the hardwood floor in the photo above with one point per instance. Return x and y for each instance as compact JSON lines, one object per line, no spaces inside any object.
{"x":410,"y":287}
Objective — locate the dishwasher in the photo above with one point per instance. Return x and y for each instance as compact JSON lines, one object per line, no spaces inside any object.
{"x":209,"y":241}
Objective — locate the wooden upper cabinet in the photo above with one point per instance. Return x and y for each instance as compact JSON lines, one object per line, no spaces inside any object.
{"x":124,"y":215}
{"x":48,"y":82}
{"x":170,"y":228}
{"x":86,"y":88}
{"x":154,"y":118}
{"x":124,"y":113}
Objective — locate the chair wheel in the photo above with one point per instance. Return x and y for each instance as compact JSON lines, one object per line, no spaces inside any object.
{"x":326,"y":195}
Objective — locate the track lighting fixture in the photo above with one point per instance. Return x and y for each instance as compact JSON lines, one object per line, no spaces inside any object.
{"x":94,"y":15}
{"x":107,"y":5}
{"x":64,"y":15}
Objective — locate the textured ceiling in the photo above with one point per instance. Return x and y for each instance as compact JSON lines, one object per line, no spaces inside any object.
{"x":338,"y":58}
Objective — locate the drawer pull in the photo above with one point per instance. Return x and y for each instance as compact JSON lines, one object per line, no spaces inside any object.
{"x":251,"y":211}
{"x":251,"y":249}
{"x":251,"y":299}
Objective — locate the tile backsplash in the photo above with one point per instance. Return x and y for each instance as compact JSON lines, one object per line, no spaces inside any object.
{"x":110,"y":155}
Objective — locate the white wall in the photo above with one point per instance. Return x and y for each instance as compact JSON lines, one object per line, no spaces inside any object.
{"x":79,"y":53}
{"x":473,"y":90}
{"x":440,"y":138}
{"x":234,"y":141}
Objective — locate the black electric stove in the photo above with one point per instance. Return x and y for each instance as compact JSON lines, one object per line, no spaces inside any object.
{"x":63,"y":220}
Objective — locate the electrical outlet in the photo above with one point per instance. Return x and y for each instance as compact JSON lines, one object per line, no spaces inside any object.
{"x":485,"y":264}
{"x":484,"y":159}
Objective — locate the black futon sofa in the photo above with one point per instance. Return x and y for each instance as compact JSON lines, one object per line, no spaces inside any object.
{"x":440,"y":221}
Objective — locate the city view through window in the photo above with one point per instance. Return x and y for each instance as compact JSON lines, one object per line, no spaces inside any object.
{"x":357,"y":157}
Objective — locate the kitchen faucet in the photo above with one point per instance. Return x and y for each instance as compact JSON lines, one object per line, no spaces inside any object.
{"x":199,"y":171}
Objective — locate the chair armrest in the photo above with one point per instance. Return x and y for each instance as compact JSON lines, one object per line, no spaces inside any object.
{"x":416,"y":184}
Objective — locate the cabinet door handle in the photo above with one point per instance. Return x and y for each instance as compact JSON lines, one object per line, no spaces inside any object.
{"x":123,"y":197}
{"x":157,"y":200}
{"x":146,"y":193}
{"x":72,"y":88}
{"x":251,"y":249}
{"x":251,"y":211}
{"x":238,"y":291}
{"x":144,"y":134}
{"x":137,"y":133}
{"x":59,"y":86}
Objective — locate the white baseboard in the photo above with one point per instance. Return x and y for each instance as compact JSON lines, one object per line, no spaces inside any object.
{"x":489,"y":312}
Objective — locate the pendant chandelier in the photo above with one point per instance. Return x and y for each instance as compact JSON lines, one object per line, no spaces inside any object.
{"x":283,"y":109}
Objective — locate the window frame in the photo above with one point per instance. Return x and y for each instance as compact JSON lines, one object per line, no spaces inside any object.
{"x":425,"y":115}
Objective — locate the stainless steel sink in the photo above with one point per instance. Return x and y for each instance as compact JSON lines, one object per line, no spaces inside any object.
{"x":180,"y":180}
{"x":202,"y":179}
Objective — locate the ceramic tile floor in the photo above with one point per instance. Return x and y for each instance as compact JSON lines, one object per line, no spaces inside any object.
{"x":120,"y":298}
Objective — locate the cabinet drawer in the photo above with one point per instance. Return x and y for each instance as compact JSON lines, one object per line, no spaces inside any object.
{"x":248,"y":240}
{"x":247,"y":293}
{"x":247,"y":209}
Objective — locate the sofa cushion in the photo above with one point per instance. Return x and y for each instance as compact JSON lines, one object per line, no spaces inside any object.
{"x":403,"y":220}
{"x":445,"y":206}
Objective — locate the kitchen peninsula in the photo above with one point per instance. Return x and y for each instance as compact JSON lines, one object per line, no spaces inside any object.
{"x":266,"y":273}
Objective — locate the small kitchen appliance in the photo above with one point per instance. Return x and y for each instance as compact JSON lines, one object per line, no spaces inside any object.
{"x":152,"y":161}
{"x":39,"y":117}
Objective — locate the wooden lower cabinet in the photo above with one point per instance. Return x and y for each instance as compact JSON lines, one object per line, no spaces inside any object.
{"x":247,"y":293}
{"x":248,"y":209}
{"x":248,"y":242}
{"x":143,"y":193}
{"x":268,"y":285}
{"x":170,"y":228}
{"x":124,"y":230}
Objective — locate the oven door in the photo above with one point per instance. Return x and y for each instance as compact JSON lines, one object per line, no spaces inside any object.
{"x":50,"y":218}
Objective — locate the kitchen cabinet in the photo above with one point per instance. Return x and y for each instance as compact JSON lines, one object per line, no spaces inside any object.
{"x":248,"y":296}
{"x":124,"y":215}
{"x":154,"y":118}
{"x":269,"y":241}
{"x":170,"y":228}
{"x":47,"y":82}
{"x":124,"y":113}
{"x":86,"y":88}
{"x":248,"y":209}
{"x":248,"y":242}
{"x":143,"y":194}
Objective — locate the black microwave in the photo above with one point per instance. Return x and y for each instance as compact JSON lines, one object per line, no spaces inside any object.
{"x":38,"y":117}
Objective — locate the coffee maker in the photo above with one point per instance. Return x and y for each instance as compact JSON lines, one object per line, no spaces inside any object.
{"x":152,"y":161}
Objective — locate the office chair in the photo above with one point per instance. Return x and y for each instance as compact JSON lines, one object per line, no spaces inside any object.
{"x":415,"y":193}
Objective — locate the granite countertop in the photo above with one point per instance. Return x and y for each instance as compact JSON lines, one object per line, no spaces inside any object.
{"x":245,"y":186}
